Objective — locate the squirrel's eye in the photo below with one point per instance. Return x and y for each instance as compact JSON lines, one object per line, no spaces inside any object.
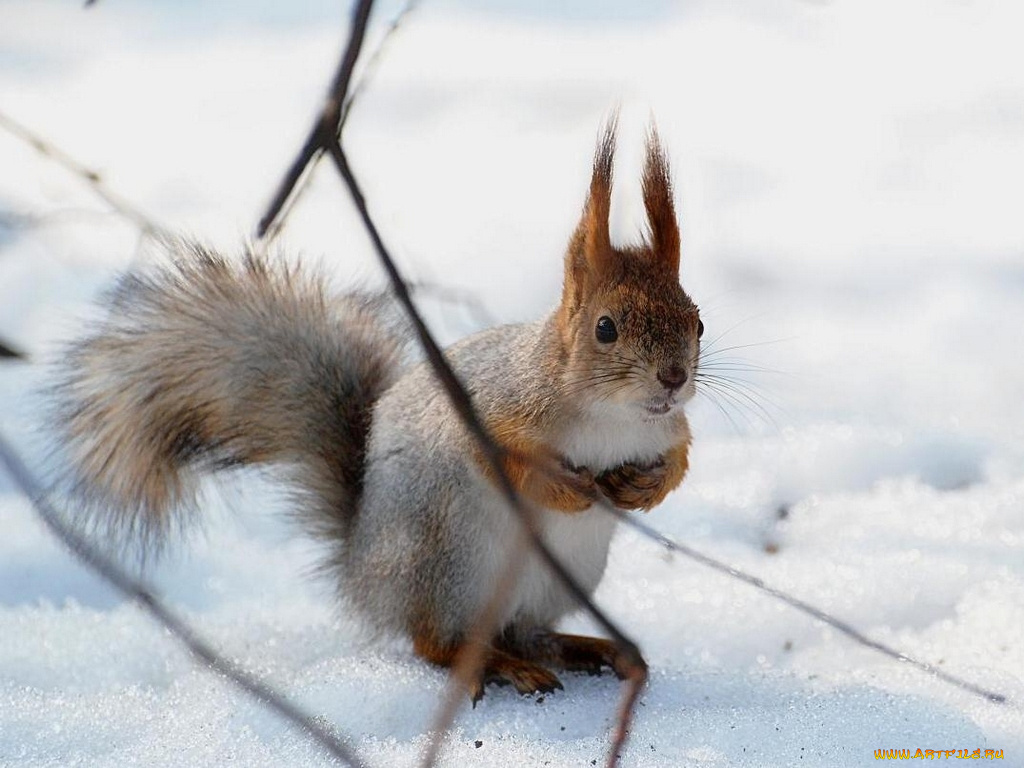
{"x":606,"y":332}
{"x":700,"y":328}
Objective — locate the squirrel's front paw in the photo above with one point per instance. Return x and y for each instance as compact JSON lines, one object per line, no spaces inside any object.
{"x":634,"y":486}
{"x":570,"y":488}
{"x":549,"y":481}
{"x":580,"y":479}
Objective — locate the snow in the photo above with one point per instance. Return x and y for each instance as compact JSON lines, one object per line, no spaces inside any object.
{"x":849,"y":178}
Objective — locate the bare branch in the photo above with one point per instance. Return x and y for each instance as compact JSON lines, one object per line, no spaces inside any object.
{"x":325,"y":129}
{"x":179,"y":629}
{"x":446,"y":294}
{"x":10,"y":352}
{"x":91,"y":177}
{"x":275,"y":228}
{"x":373,"y":63}
{"x":817,"y":613}
{"x":493,"y":454}
{"x":472,"y":660}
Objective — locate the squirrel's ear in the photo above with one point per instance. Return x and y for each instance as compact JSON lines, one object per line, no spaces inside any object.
{"x":590,"y":252}
{"x":661,"y":212}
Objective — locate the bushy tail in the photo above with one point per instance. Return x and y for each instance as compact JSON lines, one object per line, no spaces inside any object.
{"x":206,"y":363}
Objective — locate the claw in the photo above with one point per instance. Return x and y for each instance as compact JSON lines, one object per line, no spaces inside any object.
{"x":592,"y":655}
{"x":527,"y":677}
{"x":476,"y":692}
{"x":632,"y":486}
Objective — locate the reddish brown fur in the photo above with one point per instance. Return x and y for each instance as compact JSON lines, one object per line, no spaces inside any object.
{"x":661,"y":212}
{"x":632,"y":487}
{"x":535,"y":470}
{"x":642,"y":278}
{"x":499,"y":666}
{"x":592,"y":264}
{"x":577,"y":653}
{"x":522,"y":663}
{"x":598,"y":278}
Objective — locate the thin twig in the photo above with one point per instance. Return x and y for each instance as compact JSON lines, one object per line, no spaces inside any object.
{"x":91,"y":177}
{"x":365,"y":78}
{"x":373,"y":63}
{"x":493,"y":455}
{"x":178,"y":627}
{"x":817,"y":613}
{"x":325,"y":129}
{"x":473,"y":657}
{"x":276,"y":227}
{"x":9,"y":352}
{"x":455,"y":296}
{"x":12,"y":221}
{"x":813,"y":611}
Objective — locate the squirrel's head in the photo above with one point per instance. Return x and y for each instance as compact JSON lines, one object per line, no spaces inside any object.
{"x":630,"y":332}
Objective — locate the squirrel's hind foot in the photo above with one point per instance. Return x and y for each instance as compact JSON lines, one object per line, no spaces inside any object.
{"x":527,"y":677}
{"x":501,"y":667}
{"x":523,"y":662}
{"x":577,"y":653}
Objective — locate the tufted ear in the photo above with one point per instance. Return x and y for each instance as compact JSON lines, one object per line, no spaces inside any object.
{"x":661,"y":212}
{"x":590,"y":256}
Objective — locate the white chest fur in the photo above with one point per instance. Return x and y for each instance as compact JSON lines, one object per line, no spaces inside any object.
{"x":580,"y":542}
{"x":604,"y":436}
{"x":607,"y":435}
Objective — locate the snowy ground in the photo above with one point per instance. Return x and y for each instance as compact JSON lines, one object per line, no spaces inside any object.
{"x":849,"y":176}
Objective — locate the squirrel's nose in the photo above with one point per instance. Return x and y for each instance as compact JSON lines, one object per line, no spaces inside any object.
{"x":672,"y":377}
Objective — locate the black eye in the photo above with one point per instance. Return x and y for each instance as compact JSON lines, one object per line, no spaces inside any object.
{"x":700,"y":328}
{"x":605,"y":331}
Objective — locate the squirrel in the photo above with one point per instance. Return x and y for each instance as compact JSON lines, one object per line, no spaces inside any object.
{"x":206,"y":362}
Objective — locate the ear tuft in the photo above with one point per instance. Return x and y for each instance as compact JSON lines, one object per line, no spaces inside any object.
{"x":590,"y":257}
{"x":661,"y":212}
{"x":594,"y":224}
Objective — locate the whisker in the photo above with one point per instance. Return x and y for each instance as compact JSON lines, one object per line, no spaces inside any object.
{"x":739,"y":324}
{"x":712,"y":351}
{"x":577,"y":387}
{"x":741,"y":386}
{"x":708,"y":395}
{"x":615,"y":390}
{"x":735,"y":365}
{"x":598,"y":376}
{"x":742,"y":401}
{"x":728,"y":404}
